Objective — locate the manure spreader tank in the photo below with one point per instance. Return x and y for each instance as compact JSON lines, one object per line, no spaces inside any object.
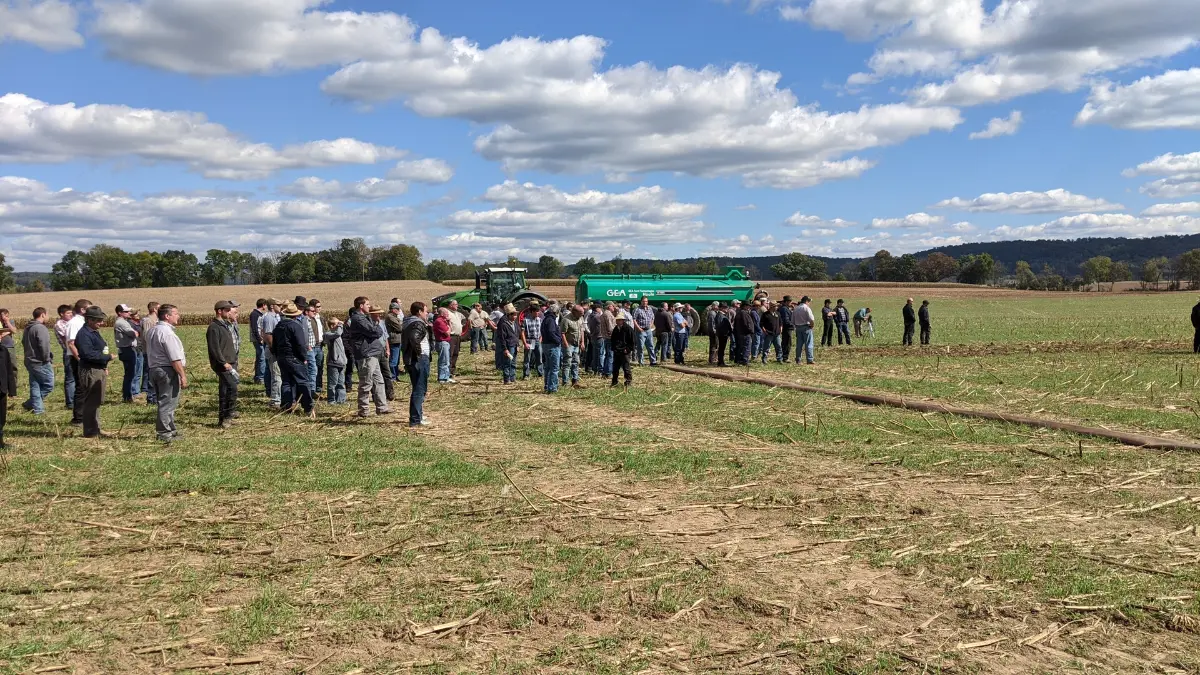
{"x":698,"y":289}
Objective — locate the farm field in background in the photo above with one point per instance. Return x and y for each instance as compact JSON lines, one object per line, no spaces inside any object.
{"x":686,"y":524}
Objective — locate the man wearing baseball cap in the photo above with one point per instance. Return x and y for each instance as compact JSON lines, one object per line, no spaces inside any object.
{"x":224,"y":343}
{"x":126,"y":335}
{"x":680,"y":322}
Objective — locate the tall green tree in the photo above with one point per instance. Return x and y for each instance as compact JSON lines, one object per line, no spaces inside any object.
{"x":7,"y":283}
{"x":799,"y":267}
{"x":395,"y":263}
{"x":937,"y":266}
{"x":906,"y":269}
{"x":297,"y":268}
{"x":437,"y":270}
{"x":67,"y":274}
{"x":976,"y":269}
{"x":707,"y":266}
{"x":1097,"y":270}
{"x":1152,"y":271}
{"x":549,"y":267}
{"x":879,"y":267}
{"x":1026,"y":279}
{"x":108,"y":267}
{"x":217,"y":267}
{"x":177,"y":268}
{"x":143,"y":266}
{"x":584,"y":266}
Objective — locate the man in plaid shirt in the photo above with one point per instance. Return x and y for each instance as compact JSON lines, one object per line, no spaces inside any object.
{"x":531,"y":338}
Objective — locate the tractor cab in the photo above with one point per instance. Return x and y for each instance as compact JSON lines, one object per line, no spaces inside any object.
{"x":500,"y":283}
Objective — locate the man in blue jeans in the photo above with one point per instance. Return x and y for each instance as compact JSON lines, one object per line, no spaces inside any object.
{"x":125,"y":335}
{"x":643,"y":326}
{"x":39,"y":361}
{"x":415,"y":350}
{"x":531,"y":339}
{"x":65,"y":313}
{"x":552,"y":349}
{"x":804,"y":321}
{"x":260,"y":357}
{"x":681,"y":332}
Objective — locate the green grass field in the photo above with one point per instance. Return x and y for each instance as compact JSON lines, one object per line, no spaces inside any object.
{"x":685,"y":524}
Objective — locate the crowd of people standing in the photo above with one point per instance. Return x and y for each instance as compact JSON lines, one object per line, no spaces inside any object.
{"x":300,"y":356}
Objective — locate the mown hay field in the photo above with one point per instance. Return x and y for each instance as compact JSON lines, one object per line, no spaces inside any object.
{"x":686,"y":524}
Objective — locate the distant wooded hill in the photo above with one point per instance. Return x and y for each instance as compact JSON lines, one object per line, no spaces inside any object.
{"x":1064,"y":256}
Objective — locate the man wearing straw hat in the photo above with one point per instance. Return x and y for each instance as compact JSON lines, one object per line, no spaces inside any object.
{"x":290,"y":344}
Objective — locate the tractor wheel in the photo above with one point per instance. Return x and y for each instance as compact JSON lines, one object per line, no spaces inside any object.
{"x":521,"y":301}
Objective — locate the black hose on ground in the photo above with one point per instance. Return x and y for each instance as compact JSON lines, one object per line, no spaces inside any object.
{"x":1137,"y":440}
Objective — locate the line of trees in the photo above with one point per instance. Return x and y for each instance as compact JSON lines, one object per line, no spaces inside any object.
{"x":105,"y":266}
{"x":883,"y":266}
{"x":351,"y":259}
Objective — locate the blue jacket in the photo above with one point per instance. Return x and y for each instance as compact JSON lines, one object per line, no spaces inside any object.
{"x":91,"y":346}
{"x":551,"y":333}
{"x":290,"y":343}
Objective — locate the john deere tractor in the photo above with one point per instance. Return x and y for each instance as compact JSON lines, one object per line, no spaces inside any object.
{"x":494,"y":286}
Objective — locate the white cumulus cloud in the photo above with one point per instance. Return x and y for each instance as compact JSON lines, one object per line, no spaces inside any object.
{"x":1000,"y":126}
{"x":33,"y":131}
{"x":1050,"y":201}
{"x":1181,"y":175}
{"x":525,"y":211}
{"x":366,"y":190}
{"x":1167,"y":101}
{"x":544,"y":105}
{"x":49,"y":24}
{"x":40,"y":224}
{"x":799,"y":219}
{"x":1172,"y":209}
{"x":1103,"y":225}
{"x":426,"y":170}
{"x":911,"y":221}
{"x":996,"y":51}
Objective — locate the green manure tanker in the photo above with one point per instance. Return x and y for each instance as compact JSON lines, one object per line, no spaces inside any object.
{"x":698,"y":289}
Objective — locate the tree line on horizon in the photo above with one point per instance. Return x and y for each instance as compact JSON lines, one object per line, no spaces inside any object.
{"x":110,"y":267}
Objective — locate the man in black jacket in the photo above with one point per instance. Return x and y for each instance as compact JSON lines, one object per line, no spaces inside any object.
{"x":364,"y":346}
{"x":743,"y":332}
{"x":923,"y":318}
{"x":624,"y":341}
{"x":8,"y":381}
{"x":290,"y":346}
{"x":662,"y":333}
{"x":1196,"y":325}
{"x":827,"y":324}
{"x":414,"y":347}
{"x":910,"y":321}
{"x":722,"y":329}
{"x":841,"y":316}
{"x":94,"y":357}
{"x":785,"y":323}
{"x":224,"y":343}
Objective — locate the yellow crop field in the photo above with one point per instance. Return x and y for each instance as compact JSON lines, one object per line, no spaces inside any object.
{"x":336,"y":297}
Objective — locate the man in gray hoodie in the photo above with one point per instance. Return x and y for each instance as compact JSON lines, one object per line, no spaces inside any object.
{"x":335,"y":363}
{"x":39,"y":361}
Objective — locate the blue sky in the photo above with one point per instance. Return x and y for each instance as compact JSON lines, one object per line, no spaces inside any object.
{"x":665,"y":129}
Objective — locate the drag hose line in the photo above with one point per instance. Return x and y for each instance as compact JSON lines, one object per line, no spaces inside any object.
{"x":1137,"y":440}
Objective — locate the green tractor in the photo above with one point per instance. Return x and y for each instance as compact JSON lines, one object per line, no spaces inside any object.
{"x":494,"y":286}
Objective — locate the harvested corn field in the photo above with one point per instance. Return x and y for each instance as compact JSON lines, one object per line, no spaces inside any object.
{"x":685,"y":524}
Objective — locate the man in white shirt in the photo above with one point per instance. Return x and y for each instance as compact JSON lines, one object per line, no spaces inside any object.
{"x":73,"y":327}
{"x":167,"y":363}
{"x":456,"y":331}
{"x":804,"y":321}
